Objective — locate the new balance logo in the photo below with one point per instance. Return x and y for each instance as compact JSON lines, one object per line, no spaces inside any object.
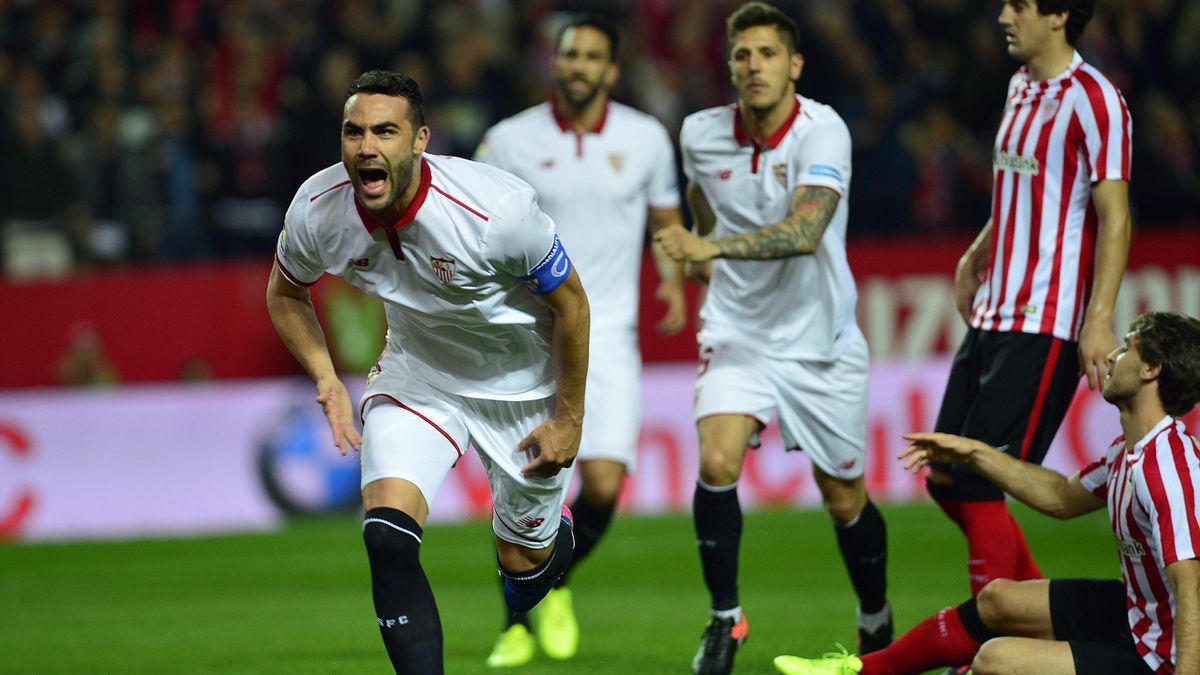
{"x":531,"y":522}
{"x":401,"y":620}
{"x":360,"y":262}
{"x":725,"y":174}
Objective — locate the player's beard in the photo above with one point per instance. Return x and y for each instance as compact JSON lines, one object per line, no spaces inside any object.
{"x":578,"y":101}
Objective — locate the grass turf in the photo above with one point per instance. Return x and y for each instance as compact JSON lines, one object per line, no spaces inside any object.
{"x":299,"y":601}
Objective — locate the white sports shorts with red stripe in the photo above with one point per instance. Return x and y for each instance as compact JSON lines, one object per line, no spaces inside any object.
{"x":415,"y":432}
{"x":821,"y":406}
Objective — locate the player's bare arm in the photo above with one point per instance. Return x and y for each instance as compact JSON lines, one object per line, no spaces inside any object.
{"x":1184,"y":577}
{"x":1047,"y":491}
{"x":969,"y":274}
{"x":703,"y":222}
{"x":670,"y":275}
{"x":556,"y":441}
{"x":295,"y":320}
{"x":798,"y":234}
{"x":1096,"y":339}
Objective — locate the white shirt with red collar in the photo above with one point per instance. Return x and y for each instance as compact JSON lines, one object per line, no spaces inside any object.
{"x":455,"y":272}
{"x":598,"y":187}
{"x":792,"y":308}
{"x":1153,"y":494}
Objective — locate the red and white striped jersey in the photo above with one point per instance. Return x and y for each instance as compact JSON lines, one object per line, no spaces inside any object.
{"x":1153,"y":494}
{"x":1058,"y":137}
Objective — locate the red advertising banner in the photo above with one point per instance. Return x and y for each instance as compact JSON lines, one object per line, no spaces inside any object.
{"x":210,"y":321}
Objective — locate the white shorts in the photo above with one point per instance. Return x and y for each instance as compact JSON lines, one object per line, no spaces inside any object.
{"x":821,"y":406}
{"x":415,"y":432}
{"x":613,"y":402}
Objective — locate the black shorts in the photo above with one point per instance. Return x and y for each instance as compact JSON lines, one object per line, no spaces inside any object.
{"x":1090,"y":615}
{"x":1011,"y":391}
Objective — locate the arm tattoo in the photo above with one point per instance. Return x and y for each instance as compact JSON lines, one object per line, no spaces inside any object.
{"x":798,"y":234}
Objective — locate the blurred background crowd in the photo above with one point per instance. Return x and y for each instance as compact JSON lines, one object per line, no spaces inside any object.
{"x":145,"y":131}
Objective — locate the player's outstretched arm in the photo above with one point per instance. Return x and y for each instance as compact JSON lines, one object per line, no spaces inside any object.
{"x":1096,"y":340}
{"x":1047,"y":491}
{"x":556,"y":442}
{"x":968,"y":275}
{"x":670,"y":275}
{"x":291,"y":310}
{"x":1184,"y":577}
{"x":799,"y":233}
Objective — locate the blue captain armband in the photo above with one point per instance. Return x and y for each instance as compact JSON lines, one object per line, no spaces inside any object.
{"x":550,"y":272}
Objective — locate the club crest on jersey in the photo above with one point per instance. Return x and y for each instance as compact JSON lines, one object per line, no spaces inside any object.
{"x":780,"y":171}
{"x":617,"y":160}
{"x":443,"y":268}
{"x":1049,"y":107}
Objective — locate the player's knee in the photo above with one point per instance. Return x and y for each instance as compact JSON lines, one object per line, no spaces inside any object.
{"x":384,"y":539}
{"x":720,"y":466}
{"x":992,"y":657}
{"x":995,"y":603}
{"x":602,"y":491}
{"x":516,"y":559}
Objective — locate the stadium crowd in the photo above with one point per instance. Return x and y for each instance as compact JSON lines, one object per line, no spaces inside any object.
{"x":144,"y":131}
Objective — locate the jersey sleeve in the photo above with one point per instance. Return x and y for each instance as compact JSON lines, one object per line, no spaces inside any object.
{"x":1107,"y":129}
{"x":685,"y":150}
{"x":491,"y":149}
{"x":663,"y":188}
{"x":823,"y":158}
{"x":522,"y":243}
{"x":296,"y":252}
{"x":1094,"y":477}
{"x":1172,"y":477}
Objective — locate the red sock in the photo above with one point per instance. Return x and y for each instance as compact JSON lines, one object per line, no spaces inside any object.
{"x":1026,"y":566}
{"x":937,"y":641}
{"x":991,"y":543}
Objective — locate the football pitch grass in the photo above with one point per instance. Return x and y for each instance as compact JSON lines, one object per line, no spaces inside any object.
{"x":299,"y":601}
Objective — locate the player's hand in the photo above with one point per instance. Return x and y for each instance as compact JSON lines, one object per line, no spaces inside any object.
{"x":968,"y":277}
{"x":699,"y":272}
{"x":554,"y":445}
{"x":670,"y":292}
{"x":334,"y":400}
{"x":1096,"y":342}
{"x":683,"y":246}
{"x":934,"y":447}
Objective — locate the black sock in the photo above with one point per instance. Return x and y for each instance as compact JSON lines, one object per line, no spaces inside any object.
{"x":968,"y":614}
{"x":591,"y":521}
{"x":718,"y":518}
{"x":524,"y":590}
{"x":864,"y":549}
{"x":404,"y":605}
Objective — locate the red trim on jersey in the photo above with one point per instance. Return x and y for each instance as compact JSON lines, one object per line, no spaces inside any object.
{"x":292,"y":277}
{"x":362,"y":412}
{"x":322,"y":192}
{"x":565,"y":126}
{"x":371,"y":223}
{"x":454,"y":199}
{"x":771,"y":142}
{"x":1043,"y":388}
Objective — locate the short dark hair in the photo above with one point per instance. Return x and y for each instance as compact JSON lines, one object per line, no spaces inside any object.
{"x":391,"y":83}
{"x":1171,"y":340}
{"x":596,"y":22}
{"x":1080,"y":12}
{"x":756,"y":13}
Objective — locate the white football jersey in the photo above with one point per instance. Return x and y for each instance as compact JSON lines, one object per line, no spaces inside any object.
{"x":597,"y":187}
{"x":454,"y":272}
{"x":792,"y":308}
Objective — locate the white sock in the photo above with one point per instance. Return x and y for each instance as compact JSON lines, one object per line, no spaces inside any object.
{"x":875,"y":620}
{"x":734,"y":613}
